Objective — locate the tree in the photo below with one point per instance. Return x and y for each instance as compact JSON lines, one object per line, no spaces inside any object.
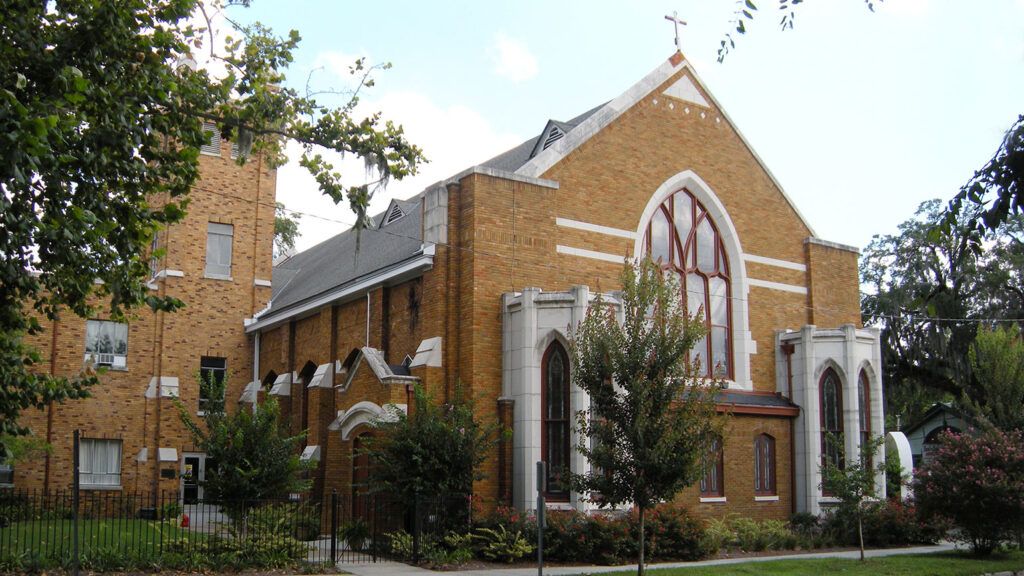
{"x":977,"y":481}
{"x":747,"y":9}
{"x":253,"y":456}
{"x":1000,"y":181}
{"x":997,"y":359}
{"x":102,"y":120}
{"x":286,"y":229}
{"x":434,"y":452}
{"x":928,"y":291}
{"x":853,"y":483}
{"x":652,"y":419}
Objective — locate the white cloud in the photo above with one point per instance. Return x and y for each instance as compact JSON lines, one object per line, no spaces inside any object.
{"x":512,"y":59}
{"x":452,"y":137}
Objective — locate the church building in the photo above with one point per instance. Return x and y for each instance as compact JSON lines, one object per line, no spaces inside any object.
{"x":478,"y":280}
{"x":476,"y":283}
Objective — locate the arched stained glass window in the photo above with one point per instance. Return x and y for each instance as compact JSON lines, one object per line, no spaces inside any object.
{"x":764,"y":465}
{"x":555,"y":422}
{"x":864,"y":398}
{"x":831,"y":411}
{"x":682,"y":237}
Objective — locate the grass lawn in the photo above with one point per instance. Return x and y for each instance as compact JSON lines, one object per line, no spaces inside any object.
{"x":939,"y":564}
{"x":53,"y":537}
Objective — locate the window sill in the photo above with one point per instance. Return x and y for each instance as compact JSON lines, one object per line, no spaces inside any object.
{"x":110,"y":368}
{"x":102,"y":487}
{"x":218,"y":277}
{"x":766,"y":498}
{"x":712,"y":499}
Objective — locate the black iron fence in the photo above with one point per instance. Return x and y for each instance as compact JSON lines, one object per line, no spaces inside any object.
{"x":39,"y":529}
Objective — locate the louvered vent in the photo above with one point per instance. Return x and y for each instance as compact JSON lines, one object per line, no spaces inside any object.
{"x":213,"y":148}
{"x":394,"y":214}
{"x":553,"y":136}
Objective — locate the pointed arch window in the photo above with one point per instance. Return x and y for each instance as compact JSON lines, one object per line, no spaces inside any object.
{"x":764,"y":465}
{"x":864,"y":399}
{"x":682,"y":238}
{"x":555,"y":421}
{"x":831,"y":412}
{"x":712,"y":483}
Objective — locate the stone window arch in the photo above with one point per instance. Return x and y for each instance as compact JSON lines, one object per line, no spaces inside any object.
{"x":556,"y":418}
{"x":682,"y":237}
{"x":830,"y":408}
{"x":864,"y":413}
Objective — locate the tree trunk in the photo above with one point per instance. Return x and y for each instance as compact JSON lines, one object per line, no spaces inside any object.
{"x":640,"y":563}
{"x":860,"y":534}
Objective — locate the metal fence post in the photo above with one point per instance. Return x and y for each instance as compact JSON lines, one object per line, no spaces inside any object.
{"x":334,"y":526}
{"x":74,"y":505}
{"x":417,"y":528}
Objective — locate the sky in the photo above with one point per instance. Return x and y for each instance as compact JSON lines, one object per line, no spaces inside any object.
{"x":860,"y":115}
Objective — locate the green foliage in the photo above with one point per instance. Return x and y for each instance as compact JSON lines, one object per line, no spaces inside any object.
{"x":928,"y":291}
{"x":977,"y":481}
{"x":998,"y":186}
{"x":997,"y":359}
{"x":286,"y":229}
{"x":102,"y":125}
{"x":436,"y":452}
{"x":853,"y":483}
{"x":733,"y":532}
{"x":895,"y":523}
{"x":355,"y":533}
{"x":652,"y":416}
{"x":294,"y":519}
{"x":672,"y":533}
{"x":500,"y":544}
{"x":747,"y":9}
{"x":255,"y":458}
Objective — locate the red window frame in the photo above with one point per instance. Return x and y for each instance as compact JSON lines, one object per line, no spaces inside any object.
{"x":712,"y":483}
{"x":764,"y":465}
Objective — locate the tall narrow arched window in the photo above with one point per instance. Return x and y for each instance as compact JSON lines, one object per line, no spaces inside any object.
{"x":712,"y":484}
{"x":555,"y":421}
{"x":864,"y":399}
{"x":831,"y":409}
{"x":682,"y":237}
{"x":764,"y":465}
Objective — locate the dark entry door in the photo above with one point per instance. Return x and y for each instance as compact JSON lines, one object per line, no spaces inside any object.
{"x":191,"y":475}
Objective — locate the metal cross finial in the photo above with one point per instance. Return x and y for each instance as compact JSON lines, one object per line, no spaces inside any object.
{"x":674,"y":18}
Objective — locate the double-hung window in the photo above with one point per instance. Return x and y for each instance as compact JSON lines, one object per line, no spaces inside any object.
{"x":218,"y":250}
{"x":212,"y":375}
{"x":106,"y":344}
{"x":99,"y":462}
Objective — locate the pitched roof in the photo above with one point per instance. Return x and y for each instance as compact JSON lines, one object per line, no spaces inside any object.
{"x":514,"y":159}
{"x":336,"y":262}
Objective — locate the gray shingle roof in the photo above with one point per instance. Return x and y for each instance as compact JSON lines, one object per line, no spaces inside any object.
{"x":335,"y":261}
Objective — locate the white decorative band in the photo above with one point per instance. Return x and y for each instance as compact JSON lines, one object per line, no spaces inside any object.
{"x":583,"y":253}
{"x":170,"y":274}
{"x":775,"y":262}
{"x":595,"y":228}
{"x":777,"y":286}
{"x":261,"y":282}
{"x":766,"y":498}
{"x":713,"y":499}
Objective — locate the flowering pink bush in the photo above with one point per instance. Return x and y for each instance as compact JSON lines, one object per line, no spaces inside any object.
{"x":977,"y":481}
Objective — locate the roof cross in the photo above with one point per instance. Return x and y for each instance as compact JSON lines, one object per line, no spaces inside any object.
{"x":674,"y":18}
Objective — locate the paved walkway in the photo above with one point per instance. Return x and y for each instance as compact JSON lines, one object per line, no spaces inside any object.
{"x":399,"y":569}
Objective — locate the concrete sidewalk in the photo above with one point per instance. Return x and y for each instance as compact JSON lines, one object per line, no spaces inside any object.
{"x":399,"y":569}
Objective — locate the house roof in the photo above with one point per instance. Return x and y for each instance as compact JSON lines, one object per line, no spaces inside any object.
{"x":514,"y":158}
{"x":336,"y":261}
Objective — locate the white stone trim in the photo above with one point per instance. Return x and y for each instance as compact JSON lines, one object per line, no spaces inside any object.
{"x":830,"y":244}
{"x":169,"y":274}
{"x":323,"y":377}
{"x":167,"y":454}
{"x":584,"y":253}
{"x":587,"y":226}
{"x":310,"y":453}
{"x":775,"y":262}
{"x":364,"y":412}
{"x":777,"y":286}
{"x":743,"y":345}
{"x":262,"y":282}
{"x":713,"y":500}
{"x":428,"y":353}
{"x":766,"y":498}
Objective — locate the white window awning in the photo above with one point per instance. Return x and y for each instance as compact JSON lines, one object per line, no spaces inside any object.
{"x":282,"y":386}
{"x":323,"y":377}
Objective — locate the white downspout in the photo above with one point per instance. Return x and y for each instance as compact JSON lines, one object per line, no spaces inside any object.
{"x":367,"y":318}
{"x":256,"y":369}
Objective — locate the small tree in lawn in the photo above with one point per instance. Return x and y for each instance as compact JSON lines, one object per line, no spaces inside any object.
{"x":254,"y":458}
{"x":652,"y":418}
{"x":853,"y":484}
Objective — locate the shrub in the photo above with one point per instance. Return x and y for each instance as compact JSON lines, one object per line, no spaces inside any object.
{"x":355,"y":533}
{"x":299,"y":521}
{"x":894,"y":523}
{"x":718,"y":535}
{"x":977,"y":481}
{"x":754,"y":536}
{"x":502,"y":545}
{"x":673,"y":534}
